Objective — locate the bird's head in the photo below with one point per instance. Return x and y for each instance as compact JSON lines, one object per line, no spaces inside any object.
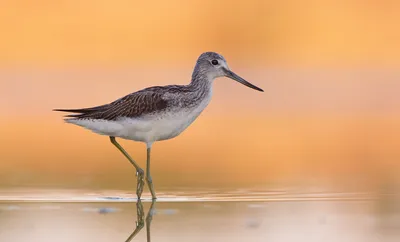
{"x":214,"y":65}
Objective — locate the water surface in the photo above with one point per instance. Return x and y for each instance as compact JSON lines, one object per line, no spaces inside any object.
{"x":200,"y":216}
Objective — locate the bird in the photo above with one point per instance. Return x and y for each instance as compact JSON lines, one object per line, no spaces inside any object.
{"x":155,"y":113}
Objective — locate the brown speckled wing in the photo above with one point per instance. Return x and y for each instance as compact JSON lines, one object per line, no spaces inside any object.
{"x":132,"y":106}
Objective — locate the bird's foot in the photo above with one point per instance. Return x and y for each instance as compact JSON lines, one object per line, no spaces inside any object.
{"x":140,"y":182}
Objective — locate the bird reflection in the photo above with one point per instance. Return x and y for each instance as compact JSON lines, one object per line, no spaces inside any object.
{"x":140,"y":220}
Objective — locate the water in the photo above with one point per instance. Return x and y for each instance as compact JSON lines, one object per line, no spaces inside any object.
{"x":238,"y":215}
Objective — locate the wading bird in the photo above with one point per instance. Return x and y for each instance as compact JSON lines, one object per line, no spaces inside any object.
{"x":155,"y":113}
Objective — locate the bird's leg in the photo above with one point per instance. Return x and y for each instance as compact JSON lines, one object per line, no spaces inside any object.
{"x":139,"y":222}
{"x":139,"y":171}
{"x":149,"y":218}
{"x":148,"y":176}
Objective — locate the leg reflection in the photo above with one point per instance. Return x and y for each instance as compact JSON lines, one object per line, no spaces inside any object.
{"x":140,"y":220}
{"x":149,"y":218}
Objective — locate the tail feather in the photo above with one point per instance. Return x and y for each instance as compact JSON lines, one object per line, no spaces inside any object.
{"x":74,"y":116}
{"x":70,"y":110}
{"x":81,"y":110}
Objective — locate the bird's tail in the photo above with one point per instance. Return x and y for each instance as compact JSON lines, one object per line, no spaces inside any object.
{"x":80,"y":112}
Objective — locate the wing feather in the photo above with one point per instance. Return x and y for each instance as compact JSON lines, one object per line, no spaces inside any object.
{"x":131,"y":106}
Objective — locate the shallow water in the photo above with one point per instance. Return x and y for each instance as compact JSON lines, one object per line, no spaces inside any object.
{"x":199,"y":216}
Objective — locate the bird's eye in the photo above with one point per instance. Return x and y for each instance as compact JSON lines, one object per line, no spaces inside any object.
{"x":214,"y":62}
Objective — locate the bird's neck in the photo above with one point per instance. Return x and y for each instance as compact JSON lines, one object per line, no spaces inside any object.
{"x":199,"y":89}
{"x":201,"y":81}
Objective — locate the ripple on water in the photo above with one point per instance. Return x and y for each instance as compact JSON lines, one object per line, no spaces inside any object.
{"x":198,"y":196}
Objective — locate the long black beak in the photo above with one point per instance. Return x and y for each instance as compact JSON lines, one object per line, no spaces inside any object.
{"x":237,"y":78}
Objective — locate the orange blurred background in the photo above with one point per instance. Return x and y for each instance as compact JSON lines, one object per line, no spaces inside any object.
{"x":330,"y":71}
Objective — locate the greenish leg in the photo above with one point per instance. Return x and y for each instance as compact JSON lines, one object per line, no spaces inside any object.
{"x":148,"y":176}
{"x":139,"y":171}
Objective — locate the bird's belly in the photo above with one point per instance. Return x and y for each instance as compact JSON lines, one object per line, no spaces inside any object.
{"x":170,"y":127}
{"x":162,"y":127}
